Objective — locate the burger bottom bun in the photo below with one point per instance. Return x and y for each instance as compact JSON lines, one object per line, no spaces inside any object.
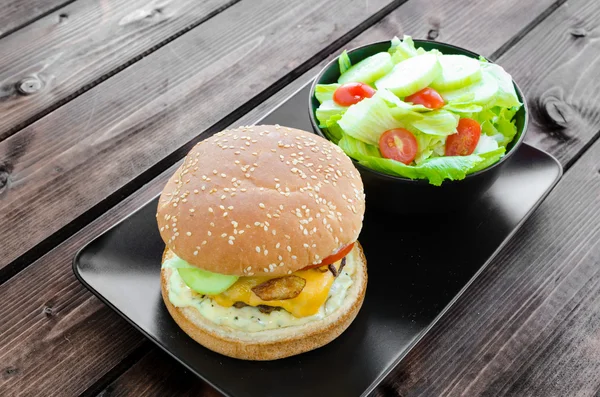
{"x":276,"y":343}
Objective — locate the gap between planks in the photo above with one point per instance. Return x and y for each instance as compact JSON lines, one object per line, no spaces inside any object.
{"x":132,"y":186}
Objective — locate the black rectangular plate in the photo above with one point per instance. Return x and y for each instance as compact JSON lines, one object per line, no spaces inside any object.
{"x":414,"y":277}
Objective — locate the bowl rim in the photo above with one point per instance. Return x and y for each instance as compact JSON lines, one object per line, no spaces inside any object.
{"x":359,"y":166}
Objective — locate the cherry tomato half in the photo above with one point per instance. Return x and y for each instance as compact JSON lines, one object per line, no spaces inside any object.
{"x":427,"y":97}
{"x":465,"y":140}
{"x":398,"y":144}
{"x":351,"y":93}
{"x":333,"y":258}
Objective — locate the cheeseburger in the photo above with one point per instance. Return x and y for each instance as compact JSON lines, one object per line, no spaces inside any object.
{"x":262,"y":259}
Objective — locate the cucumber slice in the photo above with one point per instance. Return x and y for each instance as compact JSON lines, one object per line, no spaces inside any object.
{"x":481,"y":93}
{"x":457,"y":71}
{"x":204,"y":282}
{"x":369,"y":69}
{"x":411,"y":75}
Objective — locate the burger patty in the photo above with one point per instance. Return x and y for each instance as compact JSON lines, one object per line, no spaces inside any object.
{"x":268,"y":309}
{"x":262,"y":308}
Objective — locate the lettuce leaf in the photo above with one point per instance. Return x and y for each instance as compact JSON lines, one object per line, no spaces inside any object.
{"x":401,"y":50}
{"x":332,"y":129}
{"x":324,"y":92}
{"x":506,"y":95}
{"x":368,"y":119}
{"x":435,"y":170}
{"x":498,"y":123}
{"x":327,"y":110}
{"x":485,"y":144}
{"x":437,"y":122}
{"x":429,"y":146}
{"x":344,"y":62}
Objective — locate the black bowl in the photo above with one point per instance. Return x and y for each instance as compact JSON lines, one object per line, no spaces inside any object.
{"x":403,"y":195}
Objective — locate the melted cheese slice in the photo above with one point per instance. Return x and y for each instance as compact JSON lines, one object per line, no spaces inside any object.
{"x":307,"y":303}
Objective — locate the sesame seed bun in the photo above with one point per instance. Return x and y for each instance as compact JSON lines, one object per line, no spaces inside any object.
{"x":261,"y":200}
{"x":275,"y":343}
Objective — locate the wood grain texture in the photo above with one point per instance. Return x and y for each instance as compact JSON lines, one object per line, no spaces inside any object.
{"x":18,"y":13}
{"x":108,"y":356}
{"x":57,"y":327}
{"x":65,"y":163}
{"x":558,"y":68}
{"x":409,"y":20}
{"x":75,"y":47}
{"x":530,"y":324}
{"x":141,"y":383}
{"x":56,"y":317}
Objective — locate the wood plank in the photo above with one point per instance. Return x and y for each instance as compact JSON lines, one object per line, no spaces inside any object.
{"x":56,"y":317}
{"x":572,"y":339}
{"x":121,"y":128}
{"x":15,"y":14}
{"x":88,"y":341}
{"x":557,"y":68}
{"x":530,"y":323}
{"x":137,"y":382}
{"x":75,"y":47}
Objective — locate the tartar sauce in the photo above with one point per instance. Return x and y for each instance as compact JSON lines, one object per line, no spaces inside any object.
{"x":250,"y":318}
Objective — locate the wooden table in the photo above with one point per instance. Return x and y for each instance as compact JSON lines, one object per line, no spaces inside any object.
{"x":100,"y":99}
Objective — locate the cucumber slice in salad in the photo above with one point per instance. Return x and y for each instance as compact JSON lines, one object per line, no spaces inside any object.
{"x":481,"y":93}
{"x":411,"y":75}
{"x":204,"y":282}
{"x":457,"y":71}
{"x":369,"y":69}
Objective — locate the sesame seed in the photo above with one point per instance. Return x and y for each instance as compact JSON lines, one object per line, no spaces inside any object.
{"x":225,"y":214}
{"x":223,"y":197}
{"x":261,"y":205}
{"x":224,"y":235}
{"x":257,"y":249}
{"x":189,"y":234}
{"x":210,"y":209}
{"x":195,"y":253}
{"x":278,"y":245}
{"x":289,"y":249}
{"x":192,"y":210}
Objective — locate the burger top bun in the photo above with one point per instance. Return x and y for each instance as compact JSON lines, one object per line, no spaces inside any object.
{"x":261,"y":200}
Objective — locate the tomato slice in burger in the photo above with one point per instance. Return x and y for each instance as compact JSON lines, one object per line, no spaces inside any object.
{"x":398,"y":144}
{"x":333,"y":258}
